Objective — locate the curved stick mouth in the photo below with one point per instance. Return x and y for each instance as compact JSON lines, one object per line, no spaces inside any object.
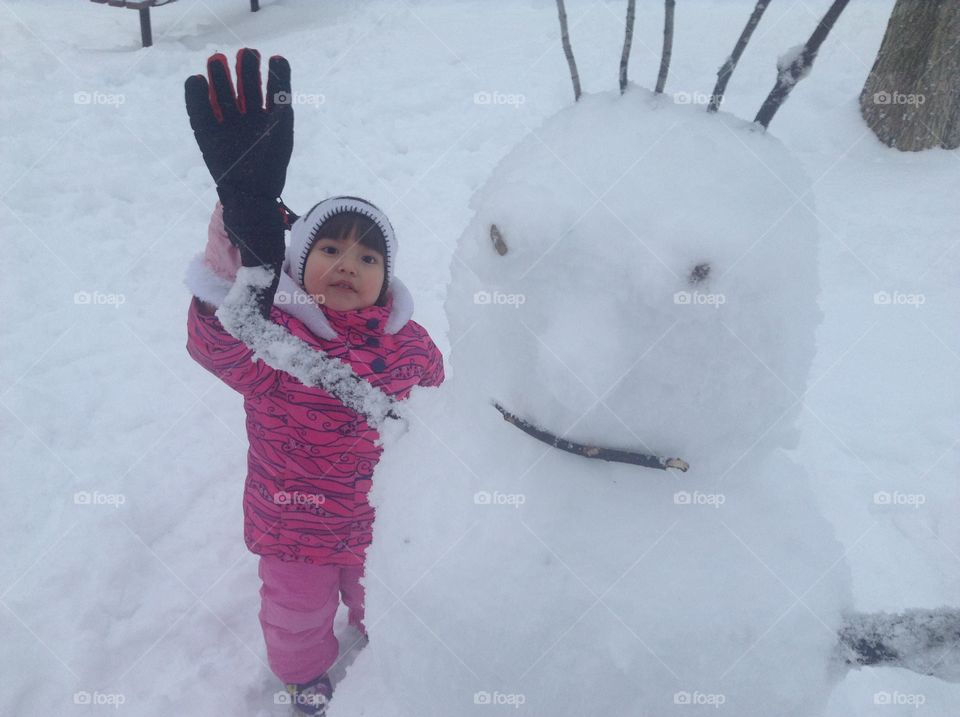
{"x":617,"y":455}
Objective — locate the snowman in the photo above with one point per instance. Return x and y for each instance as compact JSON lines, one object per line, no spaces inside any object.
{"x":638,"y":287}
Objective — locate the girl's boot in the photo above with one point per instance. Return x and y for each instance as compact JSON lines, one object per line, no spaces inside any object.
{"x":311,"y":698}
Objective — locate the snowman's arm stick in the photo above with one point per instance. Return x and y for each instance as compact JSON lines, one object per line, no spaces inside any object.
{"x":607,"y":454}
{"x":924,"y":641}
{"x":568,"y":51}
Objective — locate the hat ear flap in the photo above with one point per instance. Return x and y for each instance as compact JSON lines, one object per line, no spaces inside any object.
{"x":384,"y":292}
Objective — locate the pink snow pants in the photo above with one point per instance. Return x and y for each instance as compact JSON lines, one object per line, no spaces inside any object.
{"x":298,"y":602}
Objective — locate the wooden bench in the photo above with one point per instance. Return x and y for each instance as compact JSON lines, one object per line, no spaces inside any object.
{"x":146,"y":34}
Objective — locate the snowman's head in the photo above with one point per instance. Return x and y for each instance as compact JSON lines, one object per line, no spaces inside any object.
{"x":651,"y":283}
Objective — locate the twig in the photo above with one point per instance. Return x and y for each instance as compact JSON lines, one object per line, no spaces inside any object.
{"x":568,"y":51}
{"x":667,"y":44}
{"x":627,"y":42}
{"x":788,"y":74}
{"x":607,"y":454}
{"x":726,"y":70}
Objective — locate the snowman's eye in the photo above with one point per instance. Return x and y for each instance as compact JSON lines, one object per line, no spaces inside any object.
{"x":497,"y":238}
{"x":699,"y":273}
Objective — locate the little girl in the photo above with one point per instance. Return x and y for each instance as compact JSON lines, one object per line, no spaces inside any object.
{"x":311,"y":459}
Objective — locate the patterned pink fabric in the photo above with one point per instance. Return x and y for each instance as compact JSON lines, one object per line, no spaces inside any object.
{"x":311,"y":459}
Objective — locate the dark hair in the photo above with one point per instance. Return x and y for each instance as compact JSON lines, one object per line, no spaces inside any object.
{"x":341,"y":226}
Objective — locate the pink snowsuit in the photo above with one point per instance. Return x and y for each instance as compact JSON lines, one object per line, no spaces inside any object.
{"x":309,"y":469}
{"x":311,"y":459}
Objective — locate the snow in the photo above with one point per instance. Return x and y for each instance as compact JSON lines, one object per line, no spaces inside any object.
{"x":125,"y":575}
{"x":786,"y":62}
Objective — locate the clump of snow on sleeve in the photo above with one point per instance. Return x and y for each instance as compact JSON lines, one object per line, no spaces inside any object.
{"x":281,"y":350}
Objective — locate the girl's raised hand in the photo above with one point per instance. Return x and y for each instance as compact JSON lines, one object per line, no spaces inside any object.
{"x":246,"y":144}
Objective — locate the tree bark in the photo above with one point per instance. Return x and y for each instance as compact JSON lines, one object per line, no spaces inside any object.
{"x":789,"y":73}
{"x":911,"y":99}
{"x":568,"y":51}
{"x":726,"y":70}
{"x":667,"y":44}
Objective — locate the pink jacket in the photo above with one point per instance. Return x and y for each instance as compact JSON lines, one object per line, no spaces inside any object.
{"x":311,"y":459}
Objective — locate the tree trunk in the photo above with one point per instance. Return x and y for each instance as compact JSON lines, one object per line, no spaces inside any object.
{"x":911,"y":99}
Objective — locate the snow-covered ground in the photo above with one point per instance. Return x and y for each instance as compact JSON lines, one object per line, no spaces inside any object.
{"x":145,"y":594}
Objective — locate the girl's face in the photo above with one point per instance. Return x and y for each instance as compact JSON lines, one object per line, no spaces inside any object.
{"x":343,"y":274}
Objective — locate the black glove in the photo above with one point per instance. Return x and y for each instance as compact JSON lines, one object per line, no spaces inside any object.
{"x":247,"y":148}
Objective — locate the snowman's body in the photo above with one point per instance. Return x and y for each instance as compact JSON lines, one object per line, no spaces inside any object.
{"x":659,"y":293}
